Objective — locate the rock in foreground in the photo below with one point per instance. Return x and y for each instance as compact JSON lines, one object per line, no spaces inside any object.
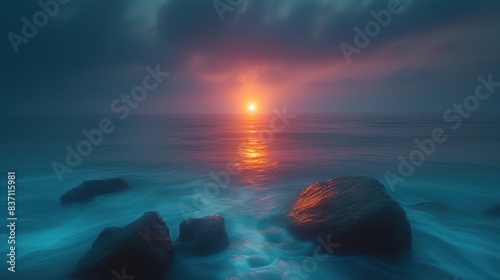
{"x":202,"y":236}
{"x":354,"y":212}
{"x":87,"y":190}
{"x":141,"y":249}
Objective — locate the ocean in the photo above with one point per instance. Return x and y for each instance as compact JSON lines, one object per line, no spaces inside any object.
{"x":173,"y":162}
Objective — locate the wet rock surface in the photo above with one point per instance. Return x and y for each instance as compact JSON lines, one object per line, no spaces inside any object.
{"x":203,"y":236}
{"x":354,"y":213}
{"x":142,"y":249}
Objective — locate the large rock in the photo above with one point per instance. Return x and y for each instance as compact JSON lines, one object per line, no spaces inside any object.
{"x":355,"y":213}
{"x":202,"y":236}
{"x":87,"y":190}
{"x":142,"y":249}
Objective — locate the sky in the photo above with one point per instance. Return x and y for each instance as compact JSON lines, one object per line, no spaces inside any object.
{"x":225,"y":54}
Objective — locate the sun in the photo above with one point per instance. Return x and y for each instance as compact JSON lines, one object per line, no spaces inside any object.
{"x":251,"y":107}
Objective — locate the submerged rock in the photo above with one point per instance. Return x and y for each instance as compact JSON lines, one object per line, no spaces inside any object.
{"x":354,"y":213}
{"x":141,"y":249}
{"x":494,"y":211}
{"x":87,"y":190}
{"x":202,"y":236}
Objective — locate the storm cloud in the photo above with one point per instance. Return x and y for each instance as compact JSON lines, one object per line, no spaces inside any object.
{"x":281,"y":52}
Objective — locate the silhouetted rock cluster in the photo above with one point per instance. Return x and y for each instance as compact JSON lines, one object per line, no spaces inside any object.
{"x":143,"y":249}
{"x":354,"y":212}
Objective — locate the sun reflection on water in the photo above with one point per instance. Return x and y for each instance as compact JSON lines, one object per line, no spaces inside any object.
{"x":254,"y":161}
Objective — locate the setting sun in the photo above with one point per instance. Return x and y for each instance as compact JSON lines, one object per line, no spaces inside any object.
{"x":251,"y":107}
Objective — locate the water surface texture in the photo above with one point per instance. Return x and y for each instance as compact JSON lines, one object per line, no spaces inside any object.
{"x":168,"y":161}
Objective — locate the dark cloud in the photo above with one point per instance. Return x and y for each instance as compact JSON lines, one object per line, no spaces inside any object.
{"x":94,"y":50}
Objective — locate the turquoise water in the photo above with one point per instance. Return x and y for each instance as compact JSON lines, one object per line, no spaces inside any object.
{"x":168,"y":159}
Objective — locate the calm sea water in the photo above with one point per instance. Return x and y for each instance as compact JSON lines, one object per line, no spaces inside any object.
{"x":168,"y":159}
